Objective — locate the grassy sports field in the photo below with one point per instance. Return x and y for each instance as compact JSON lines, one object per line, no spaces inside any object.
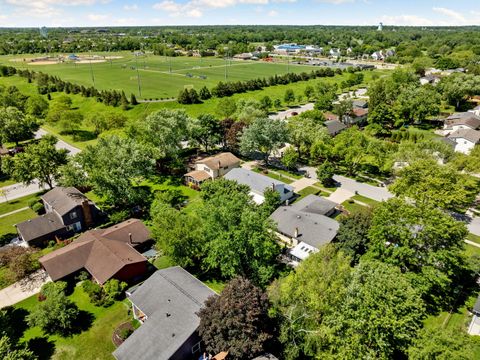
{"x":160,"y":77}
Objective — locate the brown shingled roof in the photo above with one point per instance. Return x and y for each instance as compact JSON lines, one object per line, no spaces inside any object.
{"x":198,"y":175}
{"x":220,"y":160}
{"x":101,"y":252}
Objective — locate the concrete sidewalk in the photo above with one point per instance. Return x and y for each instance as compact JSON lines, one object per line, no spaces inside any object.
{"x":23,"y":289}
{"x":340,"y":196}
{"x":302,"y":183}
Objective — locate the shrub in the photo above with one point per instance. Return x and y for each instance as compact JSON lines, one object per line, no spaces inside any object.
{"x":113,"y":288}
{"x":83,"y":276}
{"x":39,"y":208}
{"x":125,"y":333}
{"x":119,"y":216}
{"x":32,"y":203}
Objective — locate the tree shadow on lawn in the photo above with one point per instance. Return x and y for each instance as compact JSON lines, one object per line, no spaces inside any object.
{"x":41,"y":347}
{"x":16,"y":322}
{"x":83,"y":323}
{"x":84,"y":135}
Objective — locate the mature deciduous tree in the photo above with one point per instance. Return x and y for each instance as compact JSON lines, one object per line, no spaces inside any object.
{"x":236,"y":321}
{"x":263,"y":135}
{"x":15,"y":126}
{"x":205,"y":131}
{"x":9,"y":352}
{"x":40,"y":161}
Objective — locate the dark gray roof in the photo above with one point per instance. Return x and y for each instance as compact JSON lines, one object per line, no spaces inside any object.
{"x":40,"y":226}
{"x":315,"y":205}
{"x":63,"y":200}
{"x":313,"y":229}
{"x":257,"y":182}
{"x":334,"y":126}
{"x":266,"y":357}
{"x":360,"y":103}
{"x":170,"y":299}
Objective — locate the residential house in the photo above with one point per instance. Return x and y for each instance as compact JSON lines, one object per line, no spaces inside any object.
{"x":258,"y":183}
{"x":243,"y":56}
{"x":305,"y":225}
{"x":358,"y":116}
{"x":360,"y":104}
{"x":211,"y":168}
{"x":104,"y":253}
{"x":166,"y":305}
{"x":465,"y":139}
{"x":430,"y":79}
{"x":335,"y":53}
{"x":334,"y":127}
{"x":378,"y":55}
{"x":67,"y":211}
{"x":464,"y":120}
{"x":474,"y":328}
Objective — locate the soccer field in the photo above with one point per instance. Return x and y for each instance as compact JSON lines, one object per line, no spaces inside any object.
{"x":160,"y":77}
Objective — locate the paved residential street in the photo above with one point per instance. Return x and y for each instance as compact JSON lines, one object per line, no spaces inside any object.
{"x":288,"y":113}
{"x":23,"y":289}
{"x":373,"y":192}
{"x":60,"y":144}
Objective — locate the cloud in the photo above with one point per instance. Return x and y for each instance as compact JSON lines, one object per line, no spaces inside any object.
{"x":336,"y":2}
{"x":195,"y":13}
{"x":47,"y":8}
{"x":406,"y":20}
{"x":175,"y":9}
{"x":97,"y":17}
{"x":452,"y":14}
{"x":272,"y":13}
{"x":168,"y":5}
{"x":133,"y":7}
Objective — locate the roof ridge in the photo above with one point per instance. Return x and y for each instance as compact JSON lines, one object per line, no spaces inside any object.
{"x":178,"y":287}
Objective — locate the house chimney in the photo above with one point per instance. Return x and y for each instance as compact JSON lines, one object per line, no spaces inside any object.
{"x":295,"y":234}
{"x":130,"y":238}
{"x":87,"y":213}
{"x":273,"y":186}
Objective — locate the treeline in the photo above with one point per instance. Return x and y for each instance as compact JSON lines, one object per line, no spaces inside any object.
{"x":225,"y":89}
{"x":47,"y":84}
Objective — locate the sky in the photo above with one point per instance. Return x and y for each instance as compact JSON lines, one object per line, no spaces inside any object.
{"x":63,"y":13}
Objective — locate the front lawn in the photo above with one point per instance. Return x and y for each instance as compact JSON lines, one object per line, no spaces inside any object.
{"x":270,"y":174}
{"x":365,"y":200}
{"x":7,"y":228}
{"x":12,"y":205}
{"x":352,"y":207}
{"x":474,"y":238}
{"x":93,"y":343}
{"x":311,"y":191}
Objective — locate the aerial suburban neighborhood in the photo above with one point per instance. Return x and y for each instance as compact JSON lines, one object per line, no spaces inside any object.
{"x":303,"y":187}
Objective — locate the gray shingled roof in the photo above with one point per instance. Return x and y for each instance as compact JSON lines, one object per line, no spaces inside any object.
{"x":313,"y":229}
{"x":314,"y":204}
{"x":468,"y":134}
{"x":40,"y":226}
{"x":334,"y":126}
{"x":64,"y":199}
{"x":170,"y":298}
{"x":257,"y":182}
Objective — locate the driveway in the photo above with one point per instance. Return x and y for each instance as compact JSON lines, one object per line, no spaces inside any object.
{"x":60,"y":144}
{"x":23,"y":289}
{"x":302,"y":184}
{"x":282,"y":115}
{"x":373,"y":192}
{"x":340,"y":195}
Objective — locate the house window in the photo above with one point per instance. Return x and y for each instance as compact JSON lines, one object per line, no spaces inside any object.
{"x":73,"y":215}
{"x":77,"y":226}
{"x":196,"y":348}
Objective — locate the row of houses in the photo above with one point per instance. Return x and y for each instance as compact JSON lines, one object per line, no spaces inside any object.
{"x":462,"y":130}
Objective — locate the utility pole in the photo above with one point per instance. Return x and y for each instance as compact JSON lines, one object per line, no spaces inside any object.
{"x":91,"y":69}
{"x":138,"y":79}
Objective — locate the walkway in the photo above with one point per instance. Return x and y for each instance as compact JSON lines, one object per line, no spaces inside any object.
{"x":14,"y":212}
{"x":300,"y":184}
{"x":474,"y":226}
{"x":339,"y":196}
{"x":23,"y":289}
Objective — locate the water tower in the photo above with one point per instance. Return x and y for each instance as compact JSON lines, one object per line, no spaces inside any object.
{"x":380,"y":27}
{"x":44,"y":32}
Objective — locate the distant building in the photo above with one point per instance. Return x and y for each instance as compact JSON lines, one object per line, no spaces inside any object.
{"x":243,"y":56}
{"x":334,"y":127}
{"x":258,"y":183}
{"x":380,"y":27}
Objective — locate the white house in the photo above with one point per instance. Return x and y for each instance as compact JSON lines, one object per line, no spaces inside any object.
{"x":211,"y":168}
{"x":465,"y":139}
{"x":335,"y":53}
{"x":461,"y":121}
{"x":475,"y":110}
{"x":378,"y":55}
{"x":258,"y":183}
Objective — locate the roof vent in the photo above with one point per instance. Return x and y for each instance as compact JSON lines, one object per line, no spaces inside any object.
{"x":168,"y":315}
{"x":173,"y":335}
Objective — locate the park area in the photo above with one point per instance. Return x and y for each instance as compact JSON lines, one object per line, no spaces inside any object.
{"x":160,"y":77}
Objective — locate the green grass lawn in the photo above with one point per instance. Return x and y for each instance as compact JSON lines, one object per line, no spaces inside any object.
{"x":352,"y":207}
{"x":365,"y":200}
{"x":311,"y":191}
{"x":7,"y":223}
{"x":94,"y":343}
{"x":474,"y":238}
{"x":16,"y":204}
{"x":279,"y":177}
